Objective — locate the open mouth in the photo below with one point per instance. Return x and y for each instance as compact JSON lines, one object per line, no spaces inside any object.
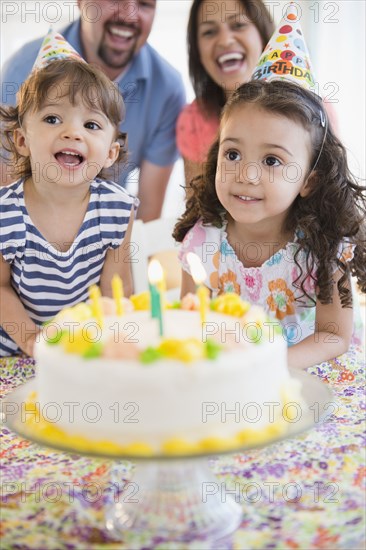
{"x":69,"y":159}
{"x":121,"y":33}
{"x":230,"y":62}
{"x":246,"y":198}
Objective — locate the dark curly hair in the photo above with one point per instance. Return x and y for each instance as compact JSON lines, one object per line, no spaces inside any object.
{"x":65,"y":77}
{"x":210,"y":96}
{"x":334,"y":208}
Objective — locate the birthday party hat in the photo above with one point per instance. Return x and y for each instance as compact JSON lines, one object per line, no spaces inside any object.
{"x":286,"y":56}
{"x":54,"y":46}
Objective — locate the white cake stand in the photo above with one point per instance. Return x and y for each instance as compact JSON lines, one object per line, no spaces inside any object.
{"x":178,"y":498}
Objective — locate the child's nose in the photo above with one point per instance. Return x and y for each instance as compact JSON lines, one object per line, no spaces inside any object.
{"x":252,"y":173}
{"x":71,"y":131}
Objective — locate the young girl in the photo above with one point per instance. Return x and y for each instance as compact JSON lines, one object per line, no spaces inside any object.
{"x":63,"y":227}
{"x":278,"y":219}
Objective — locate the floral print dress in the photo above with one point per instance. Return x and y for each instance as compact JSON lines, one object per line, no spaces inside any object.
{"x":270,"y":286}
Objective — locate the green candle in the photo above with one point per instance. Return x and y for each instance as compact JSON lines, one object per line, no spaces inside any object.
{"x":155,"y":275}
{"x":155,"y":299}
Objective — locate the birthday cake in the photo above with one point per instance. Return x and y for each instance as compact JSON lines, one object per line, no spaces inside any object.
{"x":121,"y":386}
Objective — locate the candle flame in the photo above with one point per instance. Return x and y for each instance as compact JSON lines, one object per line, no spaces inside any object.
{"x":155,"y":272}
{"x":197,"y":270}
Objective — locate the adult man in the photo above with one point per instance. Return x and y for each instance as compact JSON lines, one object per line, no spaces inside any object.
{"x":112,"y":34}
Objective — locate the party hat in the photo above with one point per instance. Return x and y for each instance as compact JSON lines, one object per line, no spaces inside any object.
{"x":54,"y":46}
{"x":286,"y":56}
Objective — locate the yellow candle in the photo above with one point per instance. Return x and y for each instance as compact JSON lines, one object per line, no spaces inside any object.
{"x":199,"y":275}
{"x":162,"y":289}
{"x":96,"y":304}
{"x":203,"y":295}
{"x":117,"y":290}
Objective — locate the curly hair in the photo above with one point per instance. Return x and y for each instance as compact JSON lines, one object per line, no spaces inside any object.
{"x":210,"y":96}
{"x":61,"y":78}
{"x":333,"y":210}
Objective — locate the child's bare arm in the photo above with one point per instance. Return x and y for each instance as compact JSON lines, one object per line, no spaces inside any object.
{"x":119,"y":261}
{"x":332,"y":336}
{"x":13,"y":317}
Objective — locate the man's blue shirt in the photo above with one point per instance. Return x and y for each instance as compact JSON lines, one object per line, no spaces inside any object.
{"x":152,"y":90}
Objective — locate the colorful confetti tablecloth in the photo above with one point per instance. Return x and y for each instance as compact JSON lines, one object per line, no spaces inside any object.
{"x":303,"y":493}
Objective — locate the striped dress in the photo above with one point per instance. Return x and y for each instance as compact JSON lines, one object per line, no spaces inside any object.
{"x":45,"y":279}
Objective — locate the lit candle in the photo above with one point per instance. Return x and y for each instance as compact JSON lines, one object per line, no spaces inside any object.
{"x":162,"y":288}
{"x":199,"y":275}
{"x":117,"y":290}
{"x":155,"y":276}
{"x":96,"y":304}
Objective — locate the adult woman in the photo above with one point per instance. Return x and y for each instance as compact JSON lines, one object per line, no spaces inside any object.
{"x":225,"y":39}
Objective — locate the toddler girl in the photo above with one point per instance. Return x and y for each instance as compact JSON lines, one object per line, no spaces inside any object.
{"x":64,"y":226}
{"x":278,"y":218}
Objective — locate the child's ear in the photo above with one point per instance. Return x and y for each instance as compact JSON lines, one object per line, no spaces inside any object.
{"x":112,"y":155}
{"x":308,"y":184}
{"x":20,"y":142}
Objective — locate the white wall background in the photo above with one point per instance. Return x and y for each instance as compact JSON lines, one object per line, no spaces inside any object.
{"x":334,"y":31}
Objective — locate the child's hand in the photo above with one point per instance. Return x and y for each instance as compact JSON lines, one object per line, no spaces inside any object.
{"x":30,"y":340}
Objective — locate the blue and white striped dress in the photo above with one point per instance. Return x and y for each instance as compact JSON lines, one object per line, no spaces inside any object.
{"x":45,"y":279}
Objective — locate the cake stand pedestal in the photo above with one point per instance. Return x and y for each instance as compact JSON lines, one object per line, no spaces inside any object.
{"x":177,"y":498}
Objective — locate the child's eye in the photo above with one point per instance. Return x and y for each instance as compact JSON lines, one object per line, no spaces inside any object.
{"x":272,"y":161}
{"x":52,"y":119}
{"x":232,"y":155}
{"x":92,"y":126}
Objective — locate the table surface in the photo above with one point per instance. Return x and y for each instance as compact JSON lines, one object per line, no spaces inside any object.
{"x":303,"y":493}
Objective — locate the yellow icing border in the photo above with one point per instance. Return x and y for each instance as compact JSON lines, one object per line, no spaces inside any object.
{"x":41,"y":429}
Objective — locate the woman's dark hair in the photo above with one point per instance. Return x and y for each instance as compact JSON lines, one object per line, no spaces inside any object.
{"x":210,"y":96}
{"x":334,"y":209}
{"x":60,"y":78}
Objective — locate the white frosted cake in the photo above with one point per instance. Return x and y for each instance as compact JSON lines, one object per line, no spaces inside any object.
{"x":198,"y":387}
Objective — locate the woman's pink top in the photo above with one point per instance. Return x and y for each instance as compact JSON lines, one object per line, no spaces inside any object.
{"x":195,"y":133}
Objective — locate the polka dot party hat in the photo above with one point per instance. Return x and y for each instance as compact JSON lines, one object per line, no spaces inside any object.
{"x":54,"y":46}
{"x":286,"y":56}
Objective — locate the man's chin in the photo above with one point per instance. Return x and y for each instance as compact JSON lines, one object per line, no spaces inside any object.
{"x":115,"y":60}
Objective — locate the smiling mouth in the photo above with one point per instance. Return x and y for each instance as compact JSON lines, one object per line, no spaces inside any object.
{"x":122,"y":33}
{"x":246,"y":198}
{"x":230,"y":62}
{"x":69,"y":159}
